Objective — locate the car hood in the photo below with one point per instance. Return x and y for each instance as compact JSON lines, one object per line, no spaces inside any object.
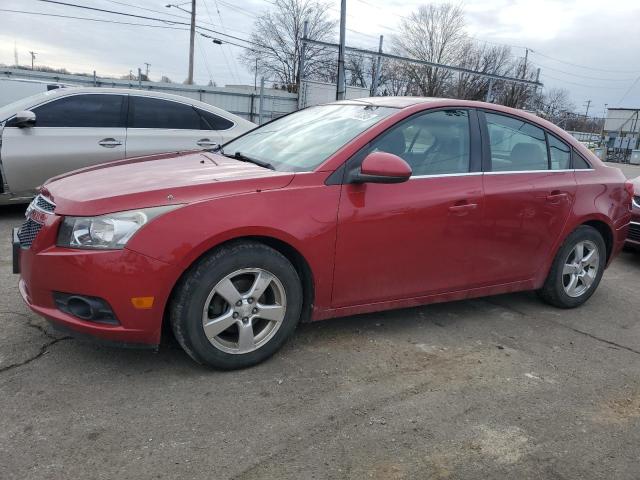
{"x":157,"y":180}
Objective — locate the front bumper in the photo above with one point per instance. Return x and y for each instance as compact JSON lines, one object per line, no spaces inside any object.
{"x":113,"y":275}
{"x":633,"y":237}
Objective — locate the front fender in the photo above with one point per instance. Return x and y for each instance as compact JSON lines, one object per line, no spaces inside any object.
{"x":304,"y":218}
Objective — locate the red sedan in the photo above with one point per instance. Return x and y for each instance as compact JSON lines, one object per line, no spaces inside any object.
{"x":352,"y":207}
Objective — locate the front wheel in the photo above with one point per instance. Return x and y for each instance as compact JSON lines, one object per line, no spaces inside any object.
{"x":576,"y":270}
{"x":237,"y":306}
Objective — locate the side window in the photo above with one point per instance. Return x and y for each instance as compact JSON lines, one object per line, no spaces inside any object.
{"x":156,"y":113}
{"x":81,"y":111}
{"x":579,"y":163}
{"x":433,"y":143}
{"x":560,"y":154}
{"x":211,"y":121}
{"x":515,"y":145}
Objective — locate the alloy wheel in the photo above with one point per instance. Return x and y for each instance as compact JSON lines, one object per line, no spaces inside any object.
{"x":580,"y":268}
{"x":244,"y":310}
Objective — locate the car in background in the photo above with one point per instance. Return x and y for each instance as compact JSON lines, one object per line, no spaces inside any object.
{"x":65,"y":129}
{"x":633,"y":239}
{"x":347,"y":208}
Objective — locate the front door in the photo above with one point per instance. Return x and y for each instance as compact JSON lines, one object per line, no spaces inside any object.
{"x":397,"y":241}
{"x":69,"y":133}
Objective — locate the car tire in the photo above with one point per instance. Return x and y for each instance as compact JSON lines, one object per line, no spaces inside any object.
{"x":239,"y":290}
{"x":559,"y":288}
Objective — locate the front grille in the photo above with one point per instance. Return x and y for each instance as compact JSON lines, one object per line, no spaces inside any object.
{"x":45,"y":204}
{"x":28,"y":232}
{"x":634,"y":232}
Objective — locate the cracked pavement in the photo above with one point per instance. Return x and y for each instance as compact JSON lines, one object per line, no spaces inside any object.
{"x":500,"y":387}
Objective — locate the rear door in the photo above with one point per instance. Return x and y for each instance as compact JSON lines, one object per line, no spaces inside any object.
{"x":70,"y":132}
{"x":157,"y":125}
{"x":529,"y":190}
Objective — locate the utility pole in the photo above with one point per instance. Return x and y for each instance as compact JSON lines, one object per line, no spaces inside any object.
{"x":526,"y":57}
{"x":192,"y":39}
{"x":341,"y":86}
{"x":33,"y":57}
{"x":15,"y":53}
{"x":255,"y":77}
{"x":586,"y":113}
{"x":376,"y":70}
{"x":192,"y":33}
{"x":261,"y":104}
{"x":303,"y":54}
{"x":147,"y":70}
{"x":139,"y":77}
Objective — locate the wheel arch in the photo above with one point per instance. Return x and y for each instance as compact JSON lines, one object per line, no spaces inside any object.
{"x":292,"y":254}
{"x":601,"y":223}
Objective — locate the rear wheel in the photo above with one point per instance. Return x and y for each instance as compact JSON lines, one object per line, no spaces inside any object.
{"x":237,"y":306}
{"x":576,"y":270}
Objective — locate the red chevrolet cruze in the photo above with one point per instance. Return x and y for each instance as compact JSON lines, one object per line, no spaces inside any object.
{"x":346,"y":208}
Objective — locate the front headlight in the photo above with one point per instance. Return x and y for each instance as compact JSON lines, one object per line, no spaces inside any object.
{"x":110,"y":231}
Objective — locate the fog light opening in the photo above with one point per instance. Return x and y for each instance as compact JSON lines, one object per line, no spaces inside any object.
{"x":80,"y":307}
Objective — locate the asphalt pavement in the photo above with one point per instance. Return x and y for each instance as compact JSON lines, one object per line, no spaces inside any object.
{"x":500,"y":387}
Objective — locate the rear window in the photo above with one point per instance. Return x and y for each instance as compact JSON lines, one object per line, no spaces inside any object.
{"x":162,"y":114}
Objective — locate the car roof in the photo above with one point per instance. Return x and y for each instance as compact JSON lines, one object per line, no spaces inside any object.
{"x":39,"y":98}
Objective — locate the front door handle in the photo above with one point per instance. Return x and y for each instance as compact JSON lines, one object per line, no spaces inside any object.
{"x":109,"y":143}
{"x":556,"y":196}
{"x":205,"y":142}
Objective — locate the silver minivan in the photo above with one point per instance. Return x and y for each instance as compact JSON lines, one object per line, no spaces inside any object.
{"x":69,"y":128}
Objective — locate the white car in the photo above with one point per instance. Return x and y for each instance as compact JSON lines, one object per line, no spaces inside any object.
{"x":69,"y":128}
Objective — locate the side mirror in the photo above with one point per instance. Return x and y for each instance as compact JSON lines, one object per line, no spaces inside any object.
{"x":25,"y":118}
{"x":382,"y":167}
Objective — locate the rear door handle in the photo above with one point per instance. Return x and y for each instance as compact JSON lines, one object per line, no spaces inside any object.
{"x":205,"y":142}
{"x":462,"y":208}
{"x":109,"y":143}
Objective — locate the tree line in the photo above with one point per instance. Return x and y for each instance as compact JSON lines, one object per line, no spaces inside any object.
{"x":435,"y":33}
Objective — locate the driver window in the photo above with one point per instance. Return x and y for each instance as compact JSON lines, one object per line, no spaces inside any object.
{"x":434,"y":143}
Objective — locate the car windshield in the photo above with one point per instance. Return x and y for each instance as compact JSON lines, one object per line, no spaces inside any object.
{"x":303,"y":140}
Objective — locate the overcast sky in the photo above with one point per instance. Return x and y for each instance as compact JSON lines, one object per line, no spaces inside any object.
{"x":564,"y":36}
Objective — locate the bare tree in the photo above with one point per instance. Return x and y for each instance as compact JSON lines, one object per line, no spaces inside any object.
{"x":394,"y":79}
{"x":276,"y":36}
{"x":479,"y":58}
{"x":434,"y":33}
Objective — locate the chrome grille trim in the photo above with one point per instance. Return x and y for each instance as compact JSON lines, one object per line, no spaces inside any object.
{"x":44,"y":204}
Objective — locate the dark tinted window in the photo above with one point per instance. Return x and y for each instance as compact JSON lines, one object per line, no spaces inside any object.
{"x":515,"y":145}
{"x":560,"y":154}
{"x":580,"y":163}
{"x":433,"y":143}
{"x":214,"y":122}
{"x":81,"y":111}
{"x":155,"y":113}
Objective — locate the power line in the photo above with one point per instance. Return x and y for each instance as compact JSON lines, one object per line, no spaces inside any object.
{"x":608,"y":70}
{"x":580,"y":84}
{"x":630,"y":88}
{"x":101,"y":20}
{"x":546,"y":67}
{"x":173,"y":22}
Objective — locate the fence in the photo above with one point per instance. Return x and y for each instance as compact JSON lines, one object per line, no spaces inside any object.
{"x":243,"y":101}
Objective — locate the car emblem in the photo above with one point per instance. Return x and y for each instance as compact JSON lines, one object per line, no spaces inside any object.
{"x":35,"y":214}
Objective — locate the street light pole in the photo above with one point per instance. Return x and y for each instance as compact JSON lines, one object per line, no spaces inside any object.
{"x":192,"y":34}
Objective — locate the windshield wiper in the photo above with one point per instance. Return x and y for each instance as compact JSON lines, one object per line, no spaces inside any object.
{"x":244,"y":158}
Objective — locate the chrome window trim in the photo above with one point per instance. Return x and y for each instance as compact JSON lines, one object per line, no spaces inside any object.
{"x":635,"y":223}
{"x":540,"y":171}
{"x":440,"y":175}
{"x":512,"y":172}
